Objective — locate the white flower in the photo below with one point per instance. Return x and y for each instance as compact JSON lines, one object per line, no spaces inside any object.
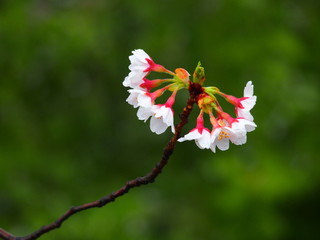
{"x":138,"y":67}
{"x":139,"y":60}
{"x":240,"y":128}
{"x":139,"y":98}
{"x":143,"y":100}
{"x":200,"y":135}
{"x":248,"y":103}
{"x":161,"y":119}
{"x":245,"y":124}
{"x":134,"y":79}
{"x":237,"y":134}
{"x":220,"y":137}
{"x":144,"y":113}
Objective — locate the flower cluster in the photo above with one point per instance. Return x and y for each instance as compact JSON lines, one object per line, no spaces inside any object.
{"x":141,"y":94}
{"x":224,"y":128}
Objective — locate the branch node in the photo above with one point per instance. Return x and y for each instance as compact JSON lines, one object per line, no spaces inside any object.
{"x":130,"y":184}
{"x":73,"y":209}
{"x":141,"y":181}
{"x":57,"y":224}
{"x":104,"y":200}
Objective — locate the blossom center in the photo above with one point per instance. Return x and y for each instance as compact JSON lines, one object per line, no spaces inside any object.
{"x":223,"y":134}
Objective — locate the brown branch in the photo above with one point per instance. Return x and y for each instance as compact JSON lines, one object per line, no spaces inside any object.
{"x":194,"y":90}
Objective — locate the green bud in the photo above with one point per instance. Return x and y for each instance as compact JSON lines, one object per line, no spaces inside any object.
{"x":198,"y":75}
{"x":211,"y":90}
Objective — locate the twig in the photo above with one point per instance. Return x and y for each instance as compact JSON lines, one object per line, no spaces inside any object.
{"x":194,"y":90}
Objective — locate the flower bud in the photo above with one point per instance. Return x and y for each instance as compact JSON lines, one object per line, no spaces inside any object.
{"x":198,"y":75}
{"x":183,"y":75}
{"x":205,"y":102}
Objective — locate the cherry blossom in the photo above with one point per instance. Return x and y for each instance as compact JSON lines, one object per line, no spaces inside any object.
{"x":139,"y":68}
{"x":141,"y":65}
{"x":144,"y":113}
{"x":161,"y":119}
{"x":139,"y":98}
{"x":247,"y":102}
{"x":220,"y":137}
{"x":200,"y":134}
{"x":145,"y":95}
{"x":236,"y":133}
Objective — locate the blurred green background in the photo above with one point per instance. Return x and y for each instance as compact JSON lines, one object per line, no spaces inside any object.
{"x":68,"y":137}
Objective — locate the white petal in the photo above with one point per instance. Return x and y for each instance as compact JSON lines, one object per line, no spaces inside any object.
{"x":160,"y":112}
{"x":140,"y":54}
{"x":193,"y":134}
{"x":223,"y":144}
{"x":214,"y":134}
{"x":238,"y":132}
{"x":249,"y":103}
{"x":134,"y":79}
{"x":144,"y":113}
{"x":220,"y":137}
{"x":164,"y":114}
{"x":239,"y":140}
{"x":133,"y":97}
{"x":204,"y":141}
{"x":249,"y":126}
{"x":138,"y":61}
{"x":144,"y":101}
{"x":248,"y":90}
{"x":238,"y":136}
{"x":157,"y":125}
{"x":138,"y":67}
{"x":213,"y":147}
{"x":126,"y":81}
{"x":198,"y":145}
{"x":132,"y":100}
{"x":168,"y":119}
{"x":242,"y":113}
{"x":182,"y":139}
{"x":155,"y":108}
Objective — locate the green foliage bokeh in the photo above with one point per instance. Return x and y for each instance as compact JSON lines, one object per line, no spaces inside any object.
{"x":67,"y":136}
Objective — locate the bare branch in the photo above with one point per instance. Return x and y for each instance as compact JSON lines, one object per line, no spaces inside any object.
{"x":194,"y":90}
